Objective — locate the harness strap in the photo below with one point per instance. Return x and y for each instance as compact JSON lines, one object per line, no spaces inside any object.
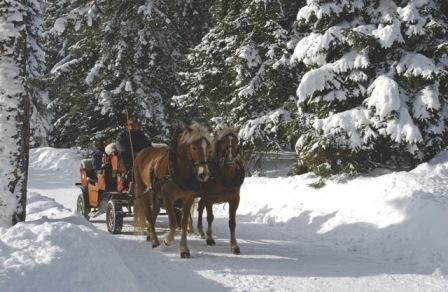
{"x":235,"y":181}
{"x":157,"y":182}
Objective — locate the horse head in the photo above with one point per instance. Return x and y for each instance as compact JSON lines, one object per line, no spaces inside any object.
{"x":195,"y":146}
{"x":227,"y":146}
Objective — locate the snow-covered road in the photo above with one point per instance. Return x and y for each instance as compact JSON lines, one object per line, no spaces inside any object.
{"x":272,"y":259}
{"x":372,"y":234}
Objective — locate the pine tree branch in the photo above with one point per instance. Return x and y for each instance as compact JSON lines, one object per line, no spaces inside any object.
{"x":98,"y":7}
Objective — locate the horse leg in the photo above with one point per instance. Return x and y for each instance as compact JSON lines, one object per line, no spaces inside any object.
{"x":233,"y":206}
{"x":155,"y":208}
{"x":210,"y":217}
{"x":149,"y":216}
{"x":190,"y":219}
{"x":169,"y":207}
{"x":200,"y":211}
{"x":187,"y":203}
{"x":155,"y":212}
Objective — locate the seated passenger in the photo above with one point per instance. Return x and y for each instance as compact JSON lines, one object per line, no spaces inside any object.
{"x":97,"y":157}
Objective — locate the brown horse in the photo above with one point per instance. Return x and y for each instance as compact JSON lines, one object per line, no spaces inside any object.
{"x":224,"y":186}
{"x":166,"y":174}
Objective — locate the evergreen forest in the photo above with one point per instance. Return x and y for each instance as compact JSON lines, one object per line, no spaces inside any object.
{"x":349,"y":85}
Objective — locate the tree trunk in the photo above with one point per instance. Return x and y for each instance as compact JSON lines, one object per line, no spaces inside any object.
{"x":14,"y":113}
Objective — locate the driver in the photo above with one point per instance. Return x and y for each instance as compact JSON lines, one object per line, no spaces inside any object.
{"x":123,"y":144}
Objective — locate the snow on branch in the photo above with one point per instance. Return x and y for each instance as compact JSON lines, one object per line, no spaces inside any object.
{"x":384,"y":96}
{"x":414,"y":65}
{"x":312,"y":49}
{"x":387,"y":35}
{"x":348,"y":122}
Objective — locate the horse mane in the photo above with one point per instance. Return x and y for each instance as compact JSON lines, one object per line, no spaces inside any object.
{"x":185,"y":136}
{"x":176,"y":136}
{"x":220,"y":134}
{"x":193,"y":133}
{"x":227,"y":131}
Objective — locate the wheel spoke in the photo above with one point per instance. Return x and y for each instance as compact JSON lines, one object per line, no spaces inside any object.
{"x":114,"y":219}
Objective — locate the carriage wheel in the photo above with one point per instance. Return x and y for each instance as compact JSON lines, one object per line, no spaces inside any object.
{"x":114,"y":218}
{"x":82,"y":206}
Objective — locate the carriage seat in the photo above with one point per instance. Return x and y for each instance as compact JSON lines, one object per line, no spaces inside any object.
{"x":110,"y":148}
{"x":86,"y":164}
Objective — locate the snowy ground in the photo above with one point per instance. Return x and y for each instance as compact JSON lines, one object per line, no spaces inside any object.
{"x":386,"y":233}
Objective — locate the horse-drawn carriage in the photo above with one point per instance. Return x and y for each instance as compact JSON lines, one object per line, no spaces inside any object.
{"x":104,"y":192}
{"x":169,"y":177}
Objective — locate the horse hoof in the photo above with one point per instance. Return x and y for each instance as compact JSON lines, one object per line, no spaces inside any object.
{"x":155,"y":244}
{"x":148,"y":238}
{"x":166,"y":242}
{"x":236,"y":250}
{"x":210,"y":241}
{"x":185,"y":254}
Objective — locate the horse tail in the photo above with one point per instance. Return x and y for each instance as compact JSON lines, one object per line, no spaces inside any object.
{"x":139,"y":207}
{"x":139,"y":216}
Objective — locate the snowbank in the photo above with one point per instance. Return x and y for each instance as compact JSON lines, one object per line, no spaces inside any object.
{"x":54,"y":172}
{"x":56,"y":250}
{"x":400,"y":216}
{"x":59,"y":161}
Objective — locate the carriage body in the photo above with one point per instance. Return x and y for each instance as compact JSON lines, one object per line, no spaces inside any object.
{"x":104,"y":192}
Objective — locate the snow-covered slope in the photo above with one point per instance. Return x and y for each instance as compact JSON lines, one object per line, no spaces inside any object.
{"x":401,"y":216}
{"x":383,"y":233}
{"x":56,"y":250}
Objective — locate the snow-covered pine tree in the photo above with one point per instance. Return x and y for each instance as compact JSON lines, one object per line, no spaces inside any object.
{"x":14,"y":112}
{"x":239,"y":73}
{"x":71,"y":47}
{"x":375,"y":88}
{"x":55,"y":44}
{"x":36,"y":66}
{"x":120,"y":55}
{"x":191,"y":20}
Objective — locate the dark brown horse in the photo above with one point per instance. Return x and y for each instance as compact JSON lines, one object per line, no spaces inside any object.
{"x":166,"y":174}
{"x":224,"y":186}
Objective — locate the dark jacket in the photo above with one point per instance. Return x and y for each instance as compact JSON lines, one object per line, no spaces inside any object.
{"x":139,"y":141}
{"x":97,"y":159}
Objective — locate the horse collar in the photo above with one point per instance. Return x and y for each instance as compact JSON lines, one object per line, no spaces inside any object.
{"x":236,"y":181}
{"x":187,"y":185}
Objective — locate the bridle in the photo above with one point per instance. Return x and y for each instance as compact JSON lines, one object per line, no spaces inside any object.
{"x":173,"y":175}
{"x":223,"y":160}
{"x":197,"y":163}
{"x":224,"y":153}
